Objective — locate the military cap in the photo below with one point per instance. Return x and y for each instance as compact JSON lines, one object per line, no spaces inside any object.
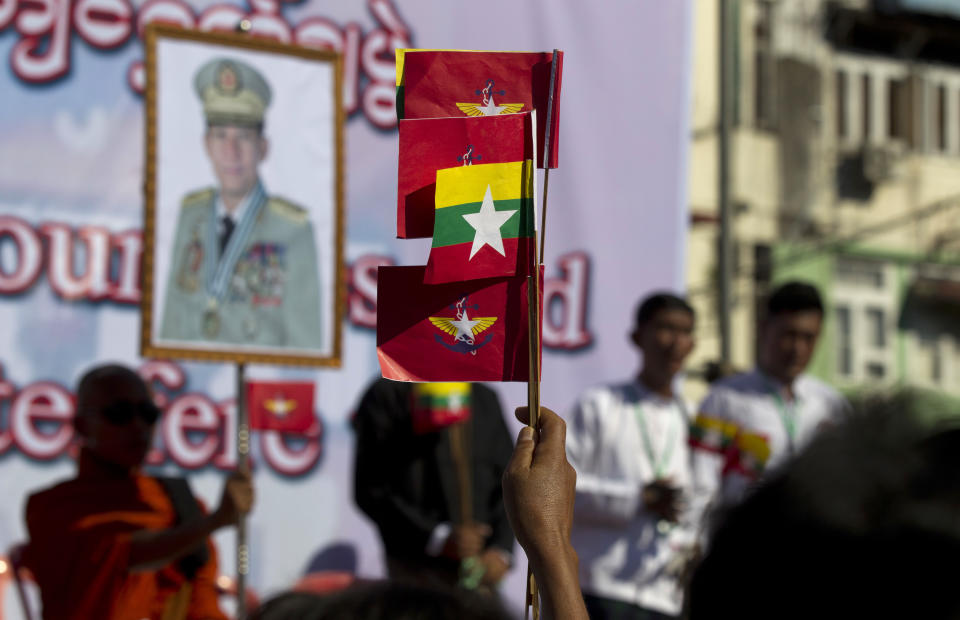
{"x":232,"y":92}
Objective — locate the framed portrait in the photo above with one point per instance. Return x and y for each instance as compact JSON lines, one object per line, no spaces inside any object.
{"x":244,"y":219}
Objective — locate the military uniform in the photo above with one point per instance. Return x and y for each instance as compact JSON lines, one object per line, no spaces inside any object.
{"x":268,"y":296}
{"x":258,"y":284}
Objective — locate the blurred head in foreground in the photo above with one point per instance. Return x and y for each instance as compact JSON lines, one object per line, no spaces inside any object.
{"x":380,"y":601}
{"x":864,"y":523}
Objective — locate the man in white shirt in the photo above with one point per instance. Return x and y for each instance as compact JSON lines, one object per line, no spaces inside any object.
{"x":755,"y":421}
{"x":628,"y":444}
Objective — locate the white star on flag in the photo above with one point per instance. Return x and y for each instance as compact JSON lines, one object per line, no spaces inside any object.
{"x":487,"y":222}
{"x":491,"y":109}
{"x":464,"y":328}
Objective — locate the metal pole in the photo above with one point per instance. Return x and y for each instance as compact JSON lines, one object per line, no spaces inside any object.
{"x":243,"y":463}
{"x":725,"y":113}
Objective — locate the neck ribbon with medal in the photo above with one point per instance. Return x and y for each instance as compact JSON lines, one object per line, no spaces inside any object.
{"x":219,"y":269}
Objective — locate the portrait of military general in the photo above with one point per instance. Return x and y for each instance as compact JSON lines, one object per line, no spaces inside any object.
{"x":244,"y":254}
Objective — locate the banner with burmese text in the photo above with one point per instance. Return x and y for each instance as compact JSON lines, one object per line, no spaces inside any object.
{"x":71,"y":220}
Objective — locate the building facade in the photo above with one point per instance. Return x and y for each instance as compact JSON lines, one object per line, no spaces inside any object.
{"x":845,"y":155}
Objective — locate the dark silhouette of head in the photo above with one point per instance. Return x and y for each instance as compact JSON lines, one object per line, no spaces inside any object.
{"x":865,"y":523}
{"x":115,"y":415}
{"x":381,"y":601}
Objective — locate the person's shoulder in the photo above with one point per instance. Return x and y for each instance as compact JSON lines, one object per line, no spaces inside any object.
{"x":384,"y":391}
{"x":812,"y":387}
{"x":726,"y":396}
{"x":602,"y":394}
{"x":199,"y":198}
{"x":51,"y":501}
{"x":483,"y":390}
{"x":288,"y":211}
{"x":740,"y":382}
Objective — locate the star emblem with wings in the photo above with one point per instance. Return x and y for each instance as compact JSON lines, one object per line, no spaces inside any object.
{"x":463,"y":329}
{"x":488,"y":107}
{"x":280,"y":406}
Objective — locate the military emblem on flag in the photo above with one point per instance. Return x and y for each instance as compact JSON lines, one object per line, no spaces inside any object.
{"x":463,"y":328}
{"x":475,"y":330}
{"x":487,"y":106}
{"x":444,"y":83}
{"x":281,"y":405}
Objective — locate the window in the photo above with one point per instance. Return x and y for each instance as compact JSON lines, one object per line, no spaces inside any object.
{"x":896,"y":109}
{"x":876,"y":371}
{"x":841,"y":88}
{"x":864,"y":273}
{"x":844,"y":341}
{"x":867,"y":101}
{"x":934,"y":360}
{"x":877,"y":327}
{"x":942,"y":118}
{"x":764,"y":89}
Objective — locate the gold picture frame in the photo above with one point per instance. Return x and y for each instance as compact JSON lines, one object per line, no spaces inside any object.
{"x":253,"y":312}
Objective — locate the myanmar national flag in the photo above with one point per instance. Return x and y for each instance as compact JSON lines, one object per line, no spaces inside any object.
{"x":463,"y":331}
{"x":438,"y":405}
{"x":444,"y":83}
{"x":281,"y":406}
{"x":431,"y":144}
{"x":483,"y":223}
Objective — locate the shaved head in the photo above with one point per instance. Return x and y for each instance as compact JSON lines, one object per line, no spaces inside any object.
{"x":102,"y":385}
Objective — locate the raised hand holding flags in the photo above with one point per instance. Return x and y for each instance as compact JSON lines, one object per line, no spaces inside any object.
{"x":473,"y":313}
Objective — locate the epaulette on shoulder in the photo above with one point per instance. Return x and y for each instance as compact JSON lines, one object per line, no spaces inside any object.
{"x":198,"y":198}
{"x":287,"y":209}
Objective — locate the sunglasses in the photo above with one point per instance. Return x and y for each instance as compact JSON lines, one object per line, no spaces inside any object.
{"x":123,"y":412}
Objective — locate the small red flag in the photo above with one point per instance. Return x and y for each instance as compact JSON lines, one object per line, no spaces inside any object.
{"x":473,"y":330}
{"x":281,"y":406}
{"x":431,"y":144}
{"x":435,"y":84}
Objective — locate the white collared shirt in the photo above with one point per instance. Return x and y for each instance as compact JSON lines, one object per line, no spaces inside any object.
{"x":623,"y":555}
{"x":753,"y":405}
{"x":238,"y":211}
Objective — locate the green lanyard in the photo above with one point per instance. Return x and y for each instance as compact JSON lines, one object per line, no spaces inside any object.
{"x":788,"y":414}
{"x":660,"y":467}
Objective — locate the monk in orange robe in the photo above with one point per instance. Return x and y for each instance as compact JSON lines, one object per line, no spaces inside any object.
{"x":113,"y":543}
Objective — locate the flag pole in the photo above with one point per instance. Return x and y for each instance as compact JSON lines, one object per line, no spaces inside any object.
{"x":244,"y":26}
{"x":546,"y":151}
{"x":243,"y":464}
{"x":533,"y":306}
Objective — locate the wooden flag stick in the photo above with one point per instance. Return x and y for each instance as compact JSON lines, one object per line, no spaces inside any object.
{"x":461,"y":462}
{"x":533,"y":305}
{"x":546,"y":152}
{"x":243,"y":464}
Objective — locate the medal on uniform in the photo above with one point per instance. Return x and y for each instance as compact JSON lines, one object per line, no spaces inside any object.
{"x":211,"y":320}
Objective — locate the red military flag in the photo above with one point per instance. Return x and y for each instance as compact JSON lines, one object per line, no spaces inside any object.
{"x":483,"y":223}
{"x":462,"y":331}
{"x":431,"y":144}
{"x":281,"y":405}
{"x":444,"y":83}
